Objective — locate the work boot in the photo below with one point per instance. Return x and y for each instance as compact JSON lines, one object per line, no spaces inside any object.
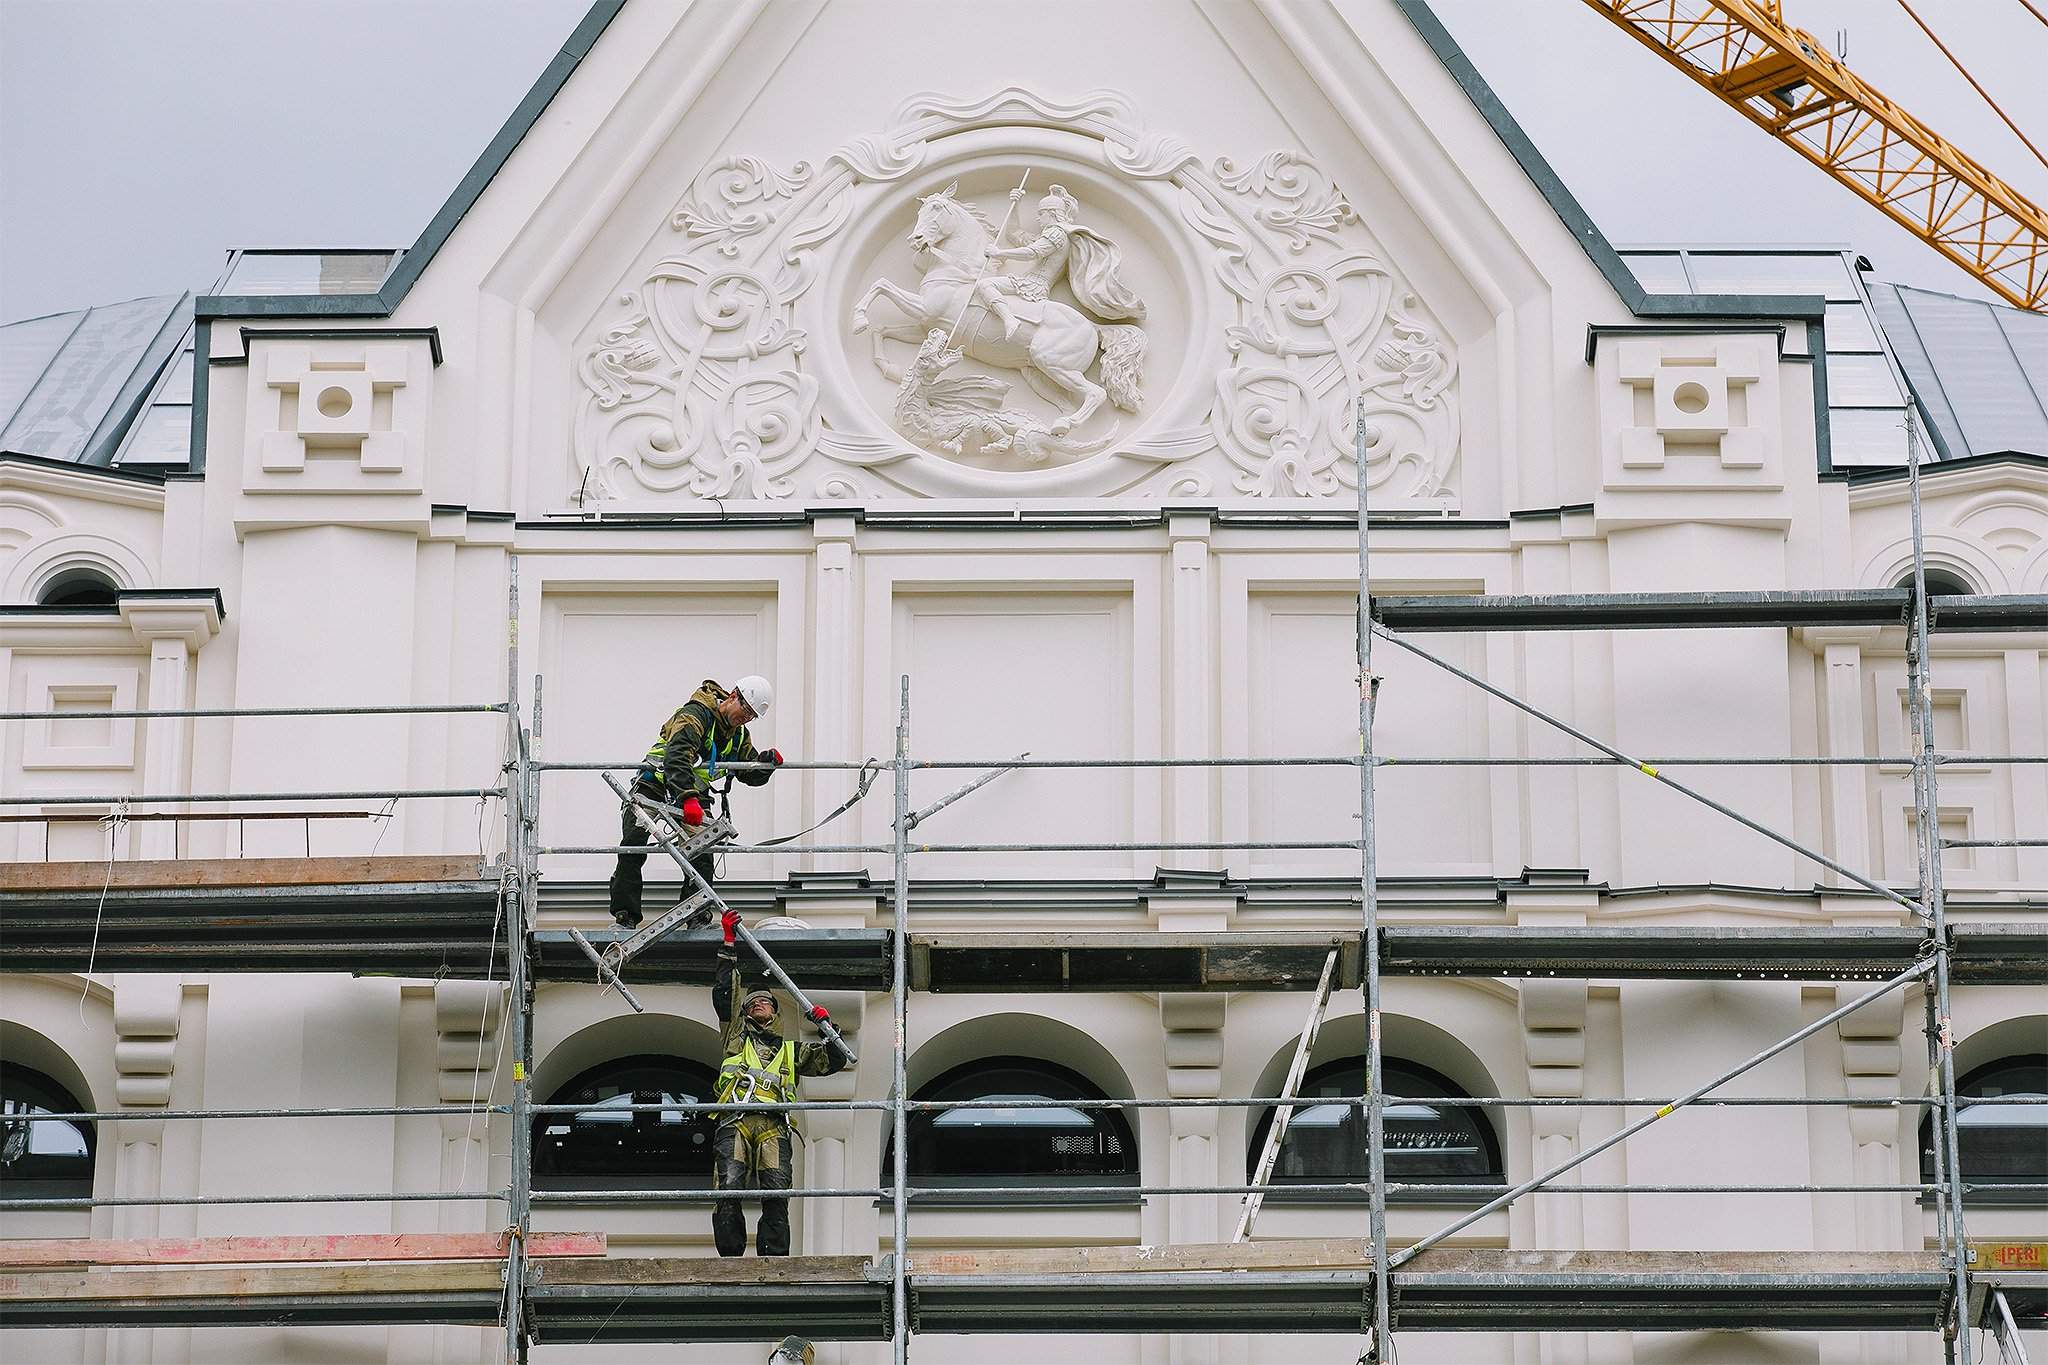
{"x":624,"y":918}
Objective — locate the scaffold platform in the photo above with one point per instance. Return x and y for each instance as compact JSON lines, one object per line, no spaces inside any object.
{"x":1707,"y":610}
{"x":1279,"y":1286}
{"x":399,"y":915}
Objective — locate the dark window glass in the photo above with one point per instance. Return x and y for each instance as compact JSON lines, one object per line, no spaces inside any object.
{"x":1437,"y":1143}
{"x":51,"y":1158}
{"x":1038,"y":1145}
{"x":2001,"y":1143}
{"x":1941,"y":583}
{"x":602,"y":1148}
{"x":78,"y":588}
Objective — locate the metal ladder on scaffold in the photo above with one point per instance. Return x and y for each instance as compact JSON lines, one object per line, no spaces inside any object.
{"x":681,"y":842}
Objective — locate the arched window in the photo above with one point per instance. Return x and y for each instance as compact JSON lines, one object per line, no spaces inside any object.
{"x":1039,"y":1145}
{"x":1999,"y":1143}
{"x":1436,"y":1144}
{"x":48,"y":1158}
{"x":80,"y":586}
{"x":602,"y":1148}
{"x":1941,"y":583}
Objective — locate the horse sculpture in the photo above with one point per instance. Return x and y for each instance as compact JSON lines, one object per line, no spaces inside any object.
{"x":1054,"y":344}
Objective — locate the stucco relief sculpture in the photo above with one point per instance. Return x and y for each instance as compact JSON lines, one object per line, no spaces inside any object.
{"x":1013,"y":322}
{"x":1129,"y":318}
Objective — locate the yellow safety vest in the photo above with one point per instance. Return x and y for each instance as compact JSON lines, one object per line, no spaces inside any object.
{"x":774,"y":1084}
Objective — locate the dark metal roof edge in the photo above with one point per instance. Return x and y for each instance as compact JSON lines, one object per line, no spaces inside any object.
{"x":1936,"y":468}
{"x":113,"y":608}
{"x":140,"y":386}
{"x":442,"y":226}
{"x":98,"y":470}
{"x":1597,"y":330}
{"x":1573,"y":215}
{"x":431,"y":334}
{"x":1080,"y":519}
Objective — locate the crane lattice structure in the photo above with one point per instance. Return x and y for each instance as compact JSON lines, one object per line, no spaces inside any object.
{"x":430,"y":917}
{"x":1783,"y":80}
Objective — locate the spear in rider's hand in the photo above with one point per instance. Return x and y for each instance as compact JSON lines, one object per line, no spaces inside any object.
{"x":988,"y":262}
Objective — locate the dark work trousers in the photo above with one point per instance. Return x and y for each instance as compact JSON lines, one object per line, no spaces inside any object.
{"x":626,"y":876}
{"x":751,"y":1152}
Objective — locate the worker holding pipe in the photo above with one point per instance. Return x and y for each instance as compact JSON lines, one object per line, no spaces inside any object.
{"x":705,"y":733}
{"x":754,"y":1149}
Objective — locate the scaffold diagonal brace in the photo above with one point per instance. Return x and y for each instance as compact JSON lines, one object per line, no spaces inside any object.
{"x":650,"y":819}
{"x":1653,"y":772}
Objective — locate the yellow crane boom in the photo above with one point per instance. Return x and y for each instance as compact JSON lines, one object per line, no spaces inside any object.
{"x":1786,"y":83}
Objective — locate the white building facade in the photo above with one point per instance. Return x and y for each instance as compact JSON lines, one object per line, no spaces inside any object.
{"x":668,"y":351}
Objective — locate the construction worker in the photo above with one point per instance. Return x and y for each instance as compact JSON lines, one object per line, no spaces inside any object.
{"x":793,"y":1351}
{"x":752,"y":1149}
{"x":706,"y":732}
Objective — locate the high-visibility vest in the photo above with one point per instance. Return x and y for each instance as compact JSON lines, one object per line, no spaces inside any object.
{"x":706,"y":766}
{"x":773,"y":1084}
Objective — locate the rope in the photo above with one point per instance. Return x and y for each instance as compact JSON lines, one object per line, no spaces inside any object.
{"x":869,"y":771}
{"x":1973,"y":80}
{"x":2029,"y":7}
{"x":114,"y":821}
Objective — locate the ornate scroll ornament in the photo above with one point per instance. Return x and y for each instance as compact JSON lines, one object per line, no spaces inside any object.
{"x":1319,"y":341}
{"x":696,"y":387}
{"x":705,"y":380}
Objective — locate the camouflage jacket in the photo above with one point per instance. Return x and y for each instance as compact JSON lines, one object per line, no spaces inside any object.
{"x":694,"y":743}
{"x":812,"y":1059}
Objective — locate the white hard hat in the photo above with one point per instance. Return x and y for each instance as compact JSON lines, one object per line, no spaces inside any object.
{"x":756,"y":693}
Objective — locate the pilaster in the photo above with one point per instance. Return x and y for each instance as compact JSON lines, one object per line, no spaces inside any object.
{"x":174,"y":631}
{"x":1193,"y":1027}
{"x":1190,"y":684}
{"x":1847,"y":785}
{"x":835,"y":720}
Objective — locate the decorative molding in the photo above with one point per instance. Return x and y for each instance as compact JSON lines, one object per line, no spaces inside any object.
{"x":466,"y":1019}
{"x":728,"y":365}
{"x":146,"y":1013}
{"x":1697,"y":413}
{"x":337,"y":414}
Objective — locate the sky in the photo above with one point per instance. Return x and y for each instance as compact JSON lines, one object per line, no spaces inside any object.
{"x":141,"y":139}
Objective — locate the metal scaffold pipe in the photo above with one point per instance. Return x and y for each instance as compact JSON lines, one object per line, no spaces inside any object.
{"x":1651,"y":771}
{"x":1940,"y":1040}
{"x":1913,"y":973}
{"x":1368,"y":885}
{"x":899,"y":1014}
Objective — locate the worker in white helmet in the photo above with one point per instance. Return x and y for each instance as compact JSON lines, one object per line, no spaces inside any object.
{"x":708,"y":732}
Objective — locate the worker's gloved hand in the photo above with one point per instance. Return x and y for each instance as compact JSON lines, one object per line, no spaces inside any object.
{"x":774,"y":756}
{"x":693,"y":811}
{"x":728,"y":923}
{"x":818,"y":1015}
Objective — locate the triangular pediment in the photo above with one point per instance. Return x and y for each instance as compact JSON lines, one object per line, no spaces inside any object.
{"x":771,"y":253}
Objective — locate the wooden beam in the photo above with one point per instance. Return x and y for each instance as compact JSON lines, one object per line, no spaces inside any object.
{"x":172,"y":1283}
{"x":173,"y":873}
{"x":404,"y":1246}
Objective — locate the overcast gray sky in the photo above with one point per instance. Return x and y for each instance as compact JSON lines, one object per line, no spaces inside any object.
{"x":139,"y":139}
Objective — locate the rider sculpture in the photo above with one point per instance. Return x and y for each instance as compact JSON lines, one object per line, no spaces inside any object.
{"x":1059,"y":246}
{"x":1054,"y":345}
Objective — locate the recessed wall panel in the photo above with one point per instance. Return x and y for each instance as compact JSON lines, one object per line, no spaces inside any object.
{"x":994,"y":675}
{"x":1304,"y":702}
{"x":616,"y":665}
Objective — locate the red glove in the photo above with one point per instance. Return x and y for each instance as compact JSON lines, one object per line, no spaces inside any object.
{"x":727,"y":924}
{"x":693,"y":811}
{"x":774,"y":756}
{"x":818,"y":1015}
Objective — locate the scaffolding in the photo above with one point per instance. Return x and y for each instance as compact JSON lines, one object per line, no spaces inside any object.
{"x":451,"y":917}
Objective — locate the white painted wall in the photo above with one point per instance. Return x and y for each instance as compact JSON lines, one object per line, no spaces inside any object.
{"x":1059,"y":610}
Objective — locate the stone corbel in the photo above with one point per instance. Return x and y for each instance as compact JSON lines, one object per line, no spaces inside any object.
{"x":466,"y":1019}
{"x":1873,"y":1063}
{"x":146,"y":1040}
{"x":1193,"y":1025}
